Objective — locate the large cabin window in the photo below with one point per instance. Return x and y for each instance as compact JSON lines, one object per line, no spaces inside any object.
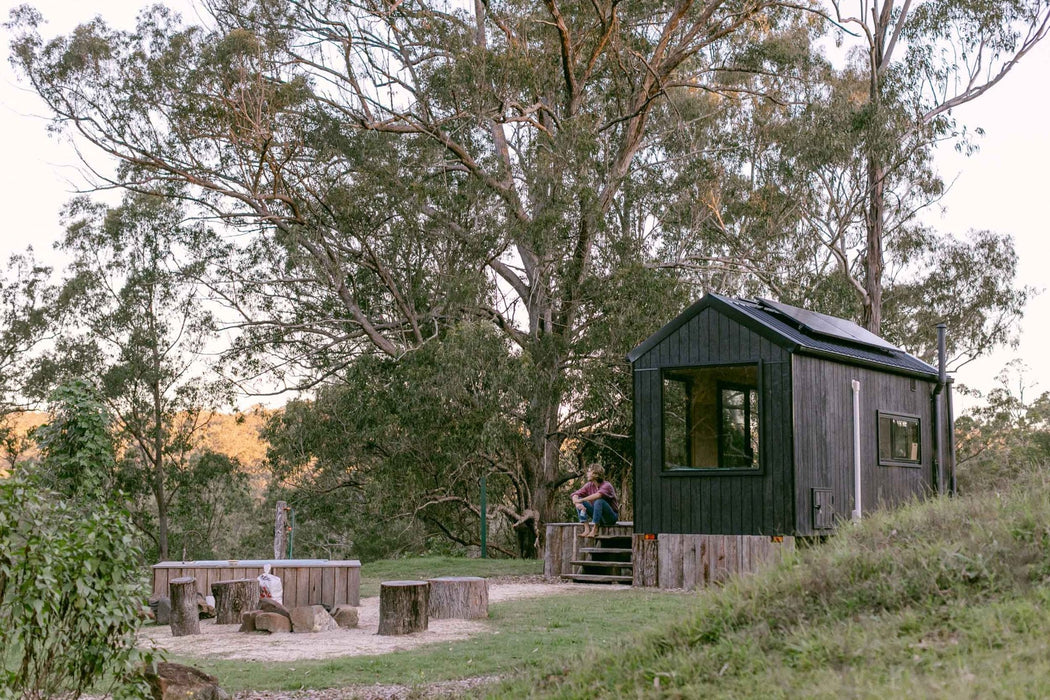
{"x":900,"y":441}
{"x":711,"y":418}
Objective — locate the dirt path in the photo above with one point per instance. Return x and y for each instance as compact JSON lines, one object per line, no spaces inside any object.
{"x":225,"y":642}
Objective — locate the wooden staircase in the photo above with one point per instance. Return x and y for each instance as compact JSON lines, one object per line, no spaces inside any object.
{"x":608,"y":559}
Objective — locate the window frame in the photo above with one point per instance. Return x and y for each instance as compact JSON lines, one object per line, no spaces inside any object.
{"x":678,"y":470}
{"x":746,"y":389}
{"x":891,"y":462}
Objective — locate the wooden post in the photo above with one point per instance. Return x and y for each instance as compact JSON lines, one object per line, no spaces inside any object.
{"x":233,"y":598}
{"x":280,"y":531}
{"x":184,"y":617}
{"x":465,"y":597}
{"x":403,"y":607}
{"x":646,"y":561}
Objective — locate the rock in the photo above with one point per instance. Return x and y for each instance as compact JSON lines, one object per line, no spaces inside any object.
{"x":273,"y":623}
{"x":272,"y":606}
{"x":248,"y":621}
{"x":312,"y":618}
{"x":345,"y":616}
{"x":204,"y":609}
{"x":169,"y":681}
{"x":164,"y":610}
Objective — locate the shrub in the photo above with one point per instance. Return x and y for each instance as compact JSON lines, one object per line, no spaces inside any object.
{"x":68,"y":597}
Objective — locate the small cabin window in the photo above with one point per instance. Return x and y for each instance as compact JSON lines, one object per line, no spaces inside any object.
{"x":900,"y":441}
{"x":711,"y":418}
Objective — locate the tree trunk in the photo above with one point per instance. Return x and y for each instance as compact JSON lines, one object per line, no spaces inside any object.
{"x":404,"y":607}
{"x":184,"y":617}
{"x":465,"y":597}
{"x":873,"y":266}
{"x":280,"y":531}
{"x":233,"y":598}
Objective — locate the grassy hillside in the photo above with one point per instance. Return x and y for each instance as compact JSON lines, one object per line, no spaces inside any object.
{"x":949,"y":598}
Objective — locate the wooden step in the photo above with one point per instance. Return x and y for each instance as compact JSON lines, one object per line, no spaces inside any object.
{"x":598,"y":578}
{"x":606,"y":538}
{"x":603,"y":564}
{"x":605,"y":550}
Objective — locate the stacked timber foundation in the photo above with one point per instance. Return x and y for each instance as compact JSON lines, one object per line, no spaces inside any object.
{"x":672,"y":561}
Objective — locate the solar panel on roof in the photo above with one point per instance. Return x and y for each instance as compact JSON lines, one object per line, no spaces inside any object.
{"x":830,"y":326}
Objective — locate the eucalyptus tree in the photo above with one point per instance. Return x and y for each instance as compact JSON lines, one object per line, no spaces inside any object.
{"x":132,"y":320}
{"x":403,"y":166}
{"x":910,"y":65}
{"x":24,"y":319}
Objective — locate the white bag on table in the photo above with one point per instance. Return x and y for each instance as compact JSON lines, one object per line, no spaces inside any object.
{"x":270,"y":585}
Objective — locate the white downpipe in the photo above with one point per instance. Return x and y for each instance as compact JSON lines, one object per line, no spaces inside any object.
{"x":856,"y":451}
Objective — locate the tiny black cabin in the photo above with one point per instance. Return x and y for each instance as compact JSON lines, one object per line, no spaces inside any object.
{"x":755,"y":418}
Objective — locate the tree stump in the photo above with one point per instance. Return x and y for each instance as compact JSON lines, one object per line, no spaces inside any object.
{"x":233,"y":598}
{"x":403,"y":607}
{"x":184,"y":617}
{"x":465,"y":597}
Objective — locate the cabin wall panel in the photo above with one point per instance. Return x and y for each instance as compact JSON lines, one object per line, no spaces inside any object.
{"x":823,"y":405}
{"x":730,"y":504}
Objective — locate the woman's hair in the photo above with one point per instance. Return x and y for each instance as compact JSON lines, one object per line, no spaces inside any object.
{"x":597,"y":470}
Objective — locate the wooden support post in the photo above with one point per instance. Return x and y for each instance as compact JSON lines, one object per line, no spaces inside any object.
{"x":232,"y":598}
{"x":184,"y":617}
{"x":465,"y":597}
{"x":646,"y":557}
{"x":280,"y":531}
{"x":403,"y":607}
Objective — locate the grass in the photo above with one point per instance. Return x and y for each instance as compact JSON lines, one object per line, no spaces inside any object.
{"x":527,"y":634}
{"x":945,"y":599}
{"x":414,"y":568}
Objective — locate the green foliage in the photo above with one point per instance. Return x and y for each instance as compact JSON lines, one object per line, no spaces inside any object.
{"x":130,"y":314}
{"x":567,"y":174}
{"x":23,"y":322}
{"x":211,"y":506}
{"x":1005,"y":435}
{"x":77,"y":455}
{"x":388,"y":460}
{"x":69,"y":596}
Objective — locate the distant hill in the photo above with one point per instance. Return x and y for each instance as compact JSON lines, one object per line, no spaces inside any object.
{"x":236,"y":435}
{"x":239,"y":435}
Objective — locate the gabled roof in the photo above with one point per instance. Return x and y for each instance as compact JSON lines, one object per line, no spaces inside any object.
{"x":800,"y":331}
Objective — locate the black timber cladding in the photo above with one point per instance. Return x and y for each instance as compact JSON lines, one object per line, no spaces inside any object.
{"x":806,"y":439}
{"x":824,"y":436}
{"x":761,"y":503}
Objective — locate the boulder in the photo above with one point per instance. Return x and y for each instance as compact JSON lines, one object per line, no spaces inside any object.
{"x":160,"y":606}
{"x":272,"y":623}
{"x":312,"y":618}
{"x":248,"y":621}
{"x":205,"y":609}
{"x":164,"y":611}
{"x":272,"y":606}
{"x":169,"y":681}
{"x":345,"y":616}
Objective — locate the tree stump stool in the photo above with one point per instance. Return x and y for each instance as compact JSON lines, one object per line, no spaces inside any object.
{"x":465,"y":597}
{"x":233,"y":598}
{"x":184,"y":617}
{"x":403,"y":607}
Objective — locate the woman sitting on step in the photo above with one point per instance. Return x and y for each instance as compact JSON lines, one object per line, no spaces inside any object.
{"x":596,"y":501}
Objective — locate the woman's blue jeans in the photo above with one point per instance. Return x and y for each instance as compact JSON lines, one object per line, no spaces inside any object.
{"x":599,"y":512}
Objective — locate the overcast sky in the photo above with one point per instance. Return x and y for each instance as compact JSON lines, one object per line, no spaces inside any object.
{"x":1004,"y":187}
